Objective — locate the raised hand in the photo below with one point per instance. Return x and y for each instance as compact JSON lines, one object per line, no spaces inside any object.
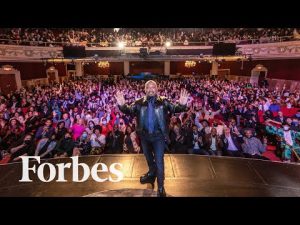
{"x":183,"y":97}
{"x":120,"y":98}
{"x":236,"y":131}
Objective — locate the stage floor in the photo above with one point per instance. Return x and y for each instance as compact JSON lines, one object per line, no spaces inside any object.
{"x":186,"y":176}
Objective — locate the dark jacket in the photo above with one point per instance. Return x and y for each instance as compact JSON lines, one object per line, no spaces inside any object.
{"x":177,"y":144}
{"x":236,"y":140}
{"x":115,"y":142}
{"x":162,"y":107}
{"x":207,"y":142}
{"x":277,"y":118}
{"x":42,"y":134}
{"x":66,"y":145}
{"x":190,"y":139}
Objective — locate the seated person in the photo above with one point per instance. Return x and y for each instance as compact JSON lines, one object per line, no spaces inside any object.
{"x":287,"y":139}
{"x":280,"y":118}
{"x":213,"y":143}
{"x":115,"y":140}
{"x":45,"y":147}
{"x":65,"y":147}
{"x":45,"y":131}
{"x":24,"y":149}
{"x":131,"y":144}
{"x":231,"y":142}
{"x":177,"y":140}
{"x":98,"y":141}
{"x":252,"y":146}
{"x":83,"y":144}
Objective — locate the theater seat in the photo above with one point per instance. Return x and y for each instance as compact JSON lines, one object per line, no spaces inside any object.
{"x":5,"y":159}
{"x":271,"y":147}
{"x":270,"y":153}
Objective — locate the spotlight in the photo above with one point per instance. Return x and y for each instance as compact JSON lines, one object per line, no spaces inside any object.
{"x":168,"y":44}
{"x":121,"y":45}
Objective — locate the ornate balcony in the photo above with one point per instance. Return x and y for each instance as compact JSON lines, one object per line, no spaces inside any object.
{"x":283,"y":50}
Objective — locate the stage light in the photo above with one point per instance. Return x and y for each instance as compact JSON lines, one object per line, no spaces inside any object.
{"x":121,"y":44}
{"x":168,"y":44}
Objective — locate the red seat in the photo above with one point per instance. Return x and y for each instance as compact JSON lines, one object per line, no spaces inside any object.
{"x":5,"y":159}
{"x":270,"y":153}
{"x":271,"y":148}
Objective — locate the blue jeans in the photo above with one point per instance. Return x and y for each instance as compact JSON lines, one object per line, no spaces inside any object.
{"x":153,"y":148}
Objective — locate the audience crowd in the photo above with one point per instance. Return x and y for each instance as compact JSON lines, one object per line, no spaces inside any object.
{"x":108,"y":37}
{"x":224,"y":118}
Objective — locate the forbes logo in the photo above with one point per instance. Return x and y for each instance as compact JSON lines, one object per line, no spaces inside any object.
{"x":59,"y":169}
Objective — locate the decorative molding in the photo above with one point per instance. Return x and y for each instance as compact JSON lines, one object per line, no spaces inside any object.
{"x":29,"y":52}
{"x":282,"y":49}
{"x":289,"y":49}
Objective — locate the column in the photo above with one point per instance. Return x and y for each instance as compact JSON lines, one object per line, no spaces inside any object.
{"x":79,"y":69}
{"x":18,"y":79}
{"x":214,"y":68}
{"x":167,"y":68}
{"x":126,"y":67}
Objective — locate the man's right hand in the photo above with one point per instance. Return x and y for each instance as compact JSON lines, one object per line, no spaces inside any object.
{"x":167,"y":140}
{"x":120,"y":98}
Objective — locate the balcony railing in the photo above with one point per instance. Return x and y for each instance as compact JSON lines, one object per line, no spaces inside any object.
{"x":115,"y":44}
